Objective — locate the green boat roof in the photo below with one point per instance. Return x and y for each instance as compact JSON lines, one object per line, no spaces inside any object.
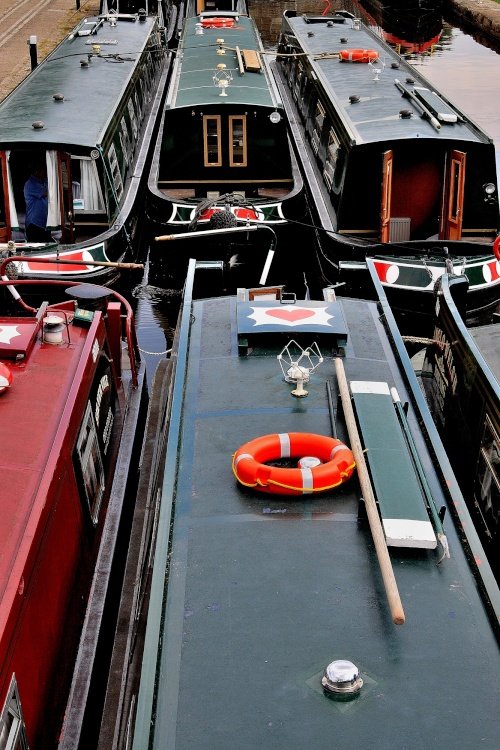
{"x":91,"y":93}
{"x":193,"y":81}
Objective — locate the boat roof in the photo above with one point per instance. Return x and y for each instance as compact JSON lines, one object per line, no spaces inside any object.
{"x":375,"y":115}
{"x":198,"y":60}
{"x":254,"y":594}
{"x":91,"y":93}
{"x":36,"y":411}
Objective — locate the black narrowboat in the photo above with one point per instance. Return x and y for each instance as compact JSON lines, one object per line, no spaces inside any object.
{"x":461,"y":379}
{"x":223,"y":158}
{"x":75,"y":140}
{"x":394,"y":169}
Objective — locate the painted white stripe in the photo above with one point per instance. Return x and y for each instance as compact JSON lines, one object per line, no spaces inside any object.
{"x":403,"y":532}
{"x":369,"y":386}
{"x":284,"y":439}
{"x":307,"y":481}
{"x":242,"y":455}
{"x":337,"y":448}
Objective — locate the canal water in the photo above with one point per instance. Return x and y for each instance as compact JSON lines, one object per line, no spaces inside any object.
{"x":462,"y":65}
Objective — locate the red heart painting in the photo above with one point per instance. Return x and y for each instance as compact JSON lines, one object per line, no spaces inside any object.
{"x":291,"y":315}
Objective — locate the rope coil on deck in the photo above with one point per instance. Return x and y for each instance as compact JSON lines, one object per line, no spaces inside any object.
{"x":335,"y":463}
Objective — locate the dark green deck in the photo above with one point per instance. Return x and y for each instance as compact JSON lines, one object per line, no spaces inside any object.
{"x":197,"y":62}
{"x":263,"y":592}
{"x":102,"y":83}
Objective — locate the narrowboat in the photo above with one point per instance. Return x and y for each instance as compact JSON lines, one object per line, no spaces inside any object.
{"x":461,"y":379}
{"x":223,"y":157}
{"x":314,"y":572}
{"x":409,"y":31}
{"x":75,"y":140}
{"x":395,"y":170}
{"x":73,"y":400}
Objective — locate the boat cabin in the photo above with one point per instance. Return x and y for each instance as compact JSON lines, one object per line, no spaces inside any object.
{"x":224,"y":129}
{"x":399,"y":162}
{"x":77,"y":121}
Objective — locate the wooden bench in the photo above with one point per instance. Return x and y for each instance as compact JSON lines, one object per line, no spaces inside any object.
{"x":395,"y":481}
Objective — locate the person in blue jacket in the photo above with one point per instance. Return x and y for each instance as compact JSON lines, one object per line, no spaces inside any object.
{"x":36,"y":198}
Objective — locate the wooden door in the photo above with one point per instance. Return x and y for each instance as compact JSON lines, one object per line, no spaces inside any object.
{"x":386,"y":194}
{"x":453,"y":197}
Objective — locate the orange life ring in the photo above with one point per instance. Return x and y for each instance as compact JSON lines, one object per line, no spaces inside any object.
{"x":336,"y":463}
{"x":5,"y":378}
{"x":496,"y":248}
{"x":358,"y":55}
{"x":217,"y":23}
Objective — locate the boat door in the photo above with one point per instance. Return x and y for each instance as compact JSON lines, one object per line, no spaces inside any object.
{"x":385,"y":207}
{"x":225,"y":140}
{"x":66,"y":197}
{"x":453,"y":197}
{"x":5,"y":227}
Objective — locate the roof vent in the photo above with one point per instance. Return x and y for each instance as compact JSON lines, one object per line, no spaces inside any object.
{"x":405,"y":114}
{"x":37,"y":125}
{"x":395,"y":65}
{"x":310,"y":33}
{"x":341,"y":679}
{"x":142,"y":14}
{"x":343,"y":40}
{"x":84,"y":63}
{"x":58,"y":97}
{"x":410,"y":80}
{"x":354,"y":99}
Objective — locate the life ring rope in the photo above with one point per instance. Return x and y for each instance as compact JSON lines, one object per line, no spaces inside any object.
{"x":336,"y":463}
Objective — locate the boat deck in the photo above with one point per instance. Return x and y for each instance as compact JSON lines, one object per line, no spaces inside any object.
{"x":264,"y":591}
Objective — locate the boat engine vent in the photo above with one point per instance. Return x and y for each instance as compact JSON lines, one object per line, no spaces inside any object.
{"x":442,"y":111}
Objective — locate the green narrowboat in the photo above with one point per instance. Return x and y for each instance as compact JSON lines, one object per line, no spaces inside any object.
{"x":74,"y":145}
{"x":223,"y":157}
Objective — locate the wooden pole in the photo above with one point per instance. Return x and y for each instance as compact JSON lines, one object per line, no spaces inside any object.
{"x":391,"y":587}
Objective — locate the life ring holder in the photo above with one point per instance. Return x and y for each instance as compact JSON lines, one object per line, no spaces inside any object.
{"x":358,"y":55}
{"x":335,"y":465}
{"x":496,"y":247}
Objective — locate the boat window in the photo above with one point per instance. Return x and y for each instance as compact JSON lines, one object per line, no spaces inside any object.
{"x":133,"y":118}
{"x":12,"y":729}
{"x":125,"y":140}
{"x":297,"y":91}
{"x":212,"y":141}
{"x":90,"y":460}
{"x":237,"y":141}
{"x":87,"y":189}
{"x":332,"y":152}
{"x":116,"y":177}
{"x":488,"y":479}
{"x":319,"y":119}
